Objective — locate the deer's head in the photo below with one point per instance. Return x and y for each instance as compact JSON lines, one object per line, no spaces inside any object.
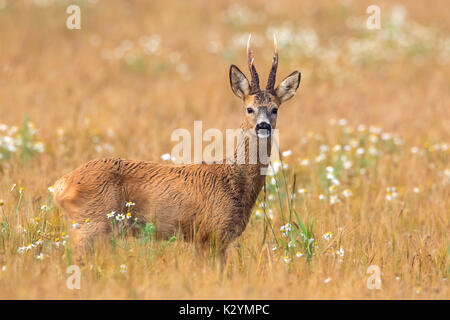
{"x":261,"y":106}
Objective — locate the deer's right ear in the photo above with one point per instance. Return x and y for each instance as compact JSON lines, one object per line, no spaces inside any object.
{"x":239,"y":83}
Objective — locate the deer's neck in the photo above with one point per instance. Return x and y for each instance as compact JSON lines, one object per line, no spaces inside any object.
{"x":251,"y":160}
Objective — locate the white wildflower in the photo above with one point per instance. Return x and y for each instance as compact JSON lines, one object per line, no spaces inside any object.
{"x":129,"y":204}
{"x":286,"y":153}
{"x":347,"y":193}
{"x":334,"y":199}
{"x":340,"y":252}
{"x":347,"y":164}
{"x":166,"y":157}
{"x":120,"y":217}
{"x":304,"y":162}
{"x":360,"y":151}
{"x":327,"y":236}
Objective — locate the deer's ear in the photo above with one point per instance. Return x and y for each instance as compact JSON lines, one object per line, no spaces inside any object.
{"x":239,"y":83}
{"x":288,"y":86}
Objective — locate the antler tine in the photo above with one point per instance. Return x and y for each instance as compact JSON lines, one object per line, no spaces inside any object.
{"x":254,"y":87}
{"x":273,"y":71}
{"x":249,"y":53}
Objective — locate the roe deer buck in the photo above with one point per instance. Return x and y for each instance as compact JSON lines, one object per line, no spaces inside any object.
{"x":201,"y":201}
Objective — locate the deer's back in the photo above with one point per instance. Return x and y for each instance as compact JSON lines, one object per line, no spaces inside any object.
{"x":168,"y":195}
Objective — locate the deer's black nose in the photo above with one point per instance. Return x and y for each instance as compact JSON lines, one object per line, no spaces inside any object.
{"x":263,"y":128}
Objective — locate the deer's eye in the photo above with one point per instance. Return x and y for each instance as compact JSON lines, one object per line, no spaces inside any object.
{"x":250,"y":110}
{"x":274,"y":111}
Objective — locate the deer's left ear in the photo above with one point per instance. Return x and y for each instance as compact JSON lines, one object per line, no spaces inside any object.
{"x":288,"y":86}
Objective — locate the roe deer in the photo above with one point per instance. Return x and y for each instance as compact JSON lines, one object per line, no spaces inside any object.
{"x":202,"y":201}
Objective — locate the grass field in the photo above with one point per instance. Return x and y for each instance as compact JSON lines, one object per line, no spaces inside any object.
{"x":366,"y":137}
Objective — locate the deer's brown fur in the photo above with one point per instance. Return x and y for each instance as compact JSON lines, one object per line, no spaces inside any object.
{"x":201,"y":201}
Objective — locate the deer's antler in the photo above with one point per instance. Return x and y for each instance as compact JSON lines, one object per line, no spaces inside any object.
{"x":254,"y":87}
{"x":273,"y":71}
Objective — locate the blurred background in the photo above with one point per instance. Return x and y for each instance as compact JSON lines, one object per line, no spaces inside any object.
{"x":137,"y":70}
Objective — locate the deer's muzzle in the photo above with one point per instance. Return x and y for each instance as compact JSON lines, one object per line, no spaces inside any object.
{"x":263,"y":129}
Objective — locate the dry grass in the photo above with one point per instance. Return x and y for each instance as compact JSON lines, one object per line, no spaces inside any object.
{"x":89,"y":98}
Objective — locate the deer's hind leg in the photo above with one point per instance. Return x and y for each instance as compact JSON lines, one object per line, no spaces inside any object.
{"x":91,"y":224}
{"x":80,"y":241}
{"x":83,"y":237}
